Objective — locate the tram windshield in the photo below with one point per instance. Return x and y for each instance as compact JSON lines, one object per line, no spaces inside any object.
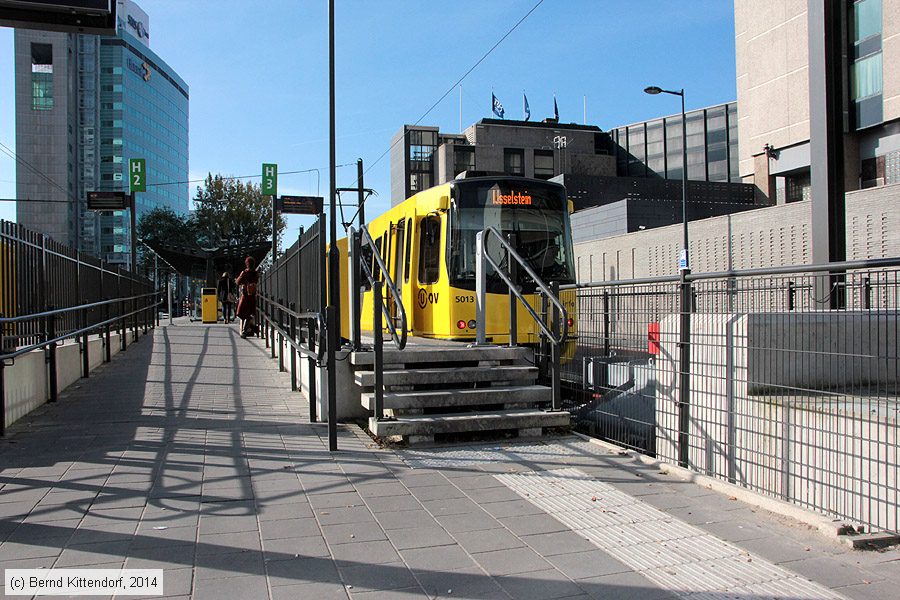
{"x":534,"y":214}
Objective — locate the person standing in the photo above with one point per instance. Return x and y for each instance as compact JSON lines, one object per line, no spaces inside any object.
{"x":226,"y":291}
{"x":246,"y":309}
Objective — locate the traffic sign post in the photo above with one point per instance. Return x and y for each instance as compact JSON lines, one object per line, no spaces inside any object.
{"x":137,"y":182}
{"x":269,"y":187}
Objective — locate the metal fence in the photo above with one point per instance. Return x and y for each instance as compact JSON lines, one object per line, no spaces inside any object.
{"x":296,"y":278}
{"x":781,"y":392}
{"x":39,"y":274}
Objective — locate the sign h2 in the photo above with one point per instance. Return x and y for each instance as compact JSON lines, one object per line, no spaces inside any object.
{"x":269,"y":186}
{"x":137,"y":174}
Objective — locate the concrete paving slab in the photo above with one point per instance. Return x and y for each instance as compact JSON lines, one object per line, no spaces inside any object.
{"x":210,"y":472}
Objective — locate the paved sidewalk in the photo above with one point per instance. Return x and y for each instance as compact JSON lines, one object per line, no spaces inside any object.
{"x":191,"y":454}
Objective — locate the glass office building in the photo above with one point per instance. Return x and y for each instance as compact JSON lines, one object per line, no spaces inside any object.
{"x":654,"y":148}
{"x":85,"y":105}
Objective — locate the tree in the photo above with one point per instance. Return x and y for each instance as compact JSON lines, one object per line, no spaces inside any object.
{"x":231,"y":212}
{"x":162,"y":224}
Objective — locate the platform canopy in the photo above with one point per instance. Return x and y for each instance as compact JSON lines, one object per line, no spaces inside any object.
{"x":209,"y":263}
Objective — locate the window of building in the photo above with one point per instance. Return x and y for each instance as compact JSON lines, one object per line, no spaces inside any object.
{"x":696,"y":145}
{"x":464,"y":157}
{"x":656,"y":149}
{"x":797,"y":187}
{"x":543,"y":164}
{"x":41,"y":77}
{"x":674,"y":158}
{"x":429,"y":249}
{"x":637,"y":152}
{"x":514,"y":161}
{"x":717,"y":144}
{"x":866,"y":69}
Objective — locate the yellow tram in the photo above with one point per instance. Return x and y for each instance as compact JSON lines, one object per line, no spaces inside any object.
{"x":427,"y":244}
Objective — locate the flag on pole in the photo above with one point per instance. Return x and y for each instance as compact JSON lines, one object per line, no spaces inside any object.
{"x":527,"y":109}
{"x":496,"y":106}
{"x":555,"y":109}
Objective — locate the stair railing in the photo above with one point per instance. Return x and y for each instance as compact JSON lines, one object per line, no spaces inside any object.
{"x":380,"y":308}
{"x":558,"y":329}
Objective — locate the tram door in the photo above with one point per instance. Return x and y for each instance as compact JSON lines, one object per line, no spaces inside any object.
{"x":398,"y":243}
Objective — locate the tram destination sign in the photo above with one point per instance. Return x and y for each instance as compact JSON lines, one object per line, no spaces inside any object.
{"x":108,"y":201}
{"x":300,"y":205}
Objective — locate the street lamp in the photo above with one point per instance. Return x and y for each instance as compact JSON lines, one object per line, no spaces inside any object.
{"x":684,"y":333}
{"x":653,"y":90}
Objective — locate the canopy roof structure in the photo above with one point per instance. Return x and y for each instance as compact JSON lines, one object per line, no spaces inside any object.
{"x":209,"y":263}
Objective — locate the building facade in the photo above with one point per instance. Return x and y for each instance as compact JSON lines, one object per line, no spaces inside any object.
{"x":774,"y":71}
{"x":85,"y":105}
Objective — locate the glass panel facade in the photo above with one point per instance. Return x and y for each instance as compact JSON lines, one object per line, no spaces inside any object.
{"x":866,"y":69}
{"x":733,"y":164}
{"x":41,"y":76}
{"x":637,"y":153}
{"x":674,"y":157}
{"x":717,"y":144}
{"x":656,"y":149}
{"x":866,"y":19}
{"x":696,"y":145}
{"x":866,"y":77}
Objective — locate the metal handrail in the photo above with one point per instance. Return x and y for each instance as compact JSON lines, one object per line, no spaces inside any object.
{"x":480,"y":295}
{"x":320,"y":327}
{"x":77,"y":332}
{"x":59,"y":311}
{"x":399,"y":340}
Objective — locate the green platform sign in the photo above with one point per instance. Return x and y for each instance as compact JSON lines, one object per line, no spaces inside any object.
{"x":137,"y":174}
{"x":269,"y":186}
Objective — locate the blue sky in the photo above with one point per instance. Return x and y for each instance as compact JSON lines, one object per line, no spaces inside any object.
{"x":258,"y":74}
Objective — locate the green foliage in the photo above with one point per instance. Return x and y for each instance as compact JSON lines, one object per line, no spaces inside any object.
{"x":231,"y":212}
{"x":165,"y":225}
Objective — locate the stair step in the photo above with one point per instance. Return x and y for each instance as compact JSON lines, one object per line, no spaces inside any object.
{"x":521,"y":394}
{"x":448,"y":376}
{"x":417,"y":354}
{"x":457,"y":423}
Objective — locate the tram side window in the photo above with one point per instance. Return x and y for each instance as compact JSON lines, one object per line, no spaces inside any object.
{"x":408,"y":248}
{"x":429,"y":249}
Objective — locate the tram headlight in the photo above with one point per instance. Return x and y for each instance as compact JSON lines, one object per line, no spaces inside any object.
{"x":570,"y":321}
{"x":460,"y":324}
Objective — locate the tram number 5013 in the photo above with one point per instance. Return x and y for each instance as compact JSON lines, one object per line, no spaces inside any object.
{"x":465,"y":299}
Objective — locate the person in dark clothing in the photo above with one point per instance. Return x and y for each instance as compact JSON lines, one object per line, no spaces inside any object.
{"x":246,"y":309}
{"x":226,"y":291}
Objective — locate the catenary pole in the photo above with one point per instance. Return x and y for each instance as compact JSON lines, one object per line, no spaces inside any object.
{"x":331,"y":309}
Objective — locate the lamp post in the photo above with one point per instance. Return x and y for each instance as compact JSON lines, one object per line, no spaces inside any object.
{"x":653,"y":90}
{"x":684,"y":334}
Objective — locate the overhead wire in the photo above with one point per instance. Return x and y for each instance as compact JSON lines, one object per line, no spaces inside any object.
{"x":449,"y":90}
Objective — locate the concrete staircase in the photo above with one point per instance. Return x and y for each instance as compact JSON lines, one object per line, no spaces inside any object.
{"x":431,"y":390}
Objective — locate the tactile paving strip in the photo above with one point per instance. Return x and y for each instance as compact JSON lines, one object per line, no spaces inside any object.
{"x":673,"y":554}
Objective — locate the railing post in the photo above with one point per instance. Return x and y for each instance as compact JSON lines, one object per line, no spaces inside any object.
{"x":123,"y":326}
{"x":378,"y":346}
{"x":107,"y":351}
{"x":2,"y":397}
{"x":353,"y":253}
{"x":867,"y":294}
{"x":292,"y":323}
{"x":51,"y":356}
{"x":262,"y":317}
{"x":513,"y":321}
{"x":555,"y":385}
{"x":272,"y":326}
{"x":85,"y":348}
{"x":313,"y":332}
{"x":280,"y":337}
{"x":606,"y":321}
{"x":480,"y":291}
{"x":684,"y":373}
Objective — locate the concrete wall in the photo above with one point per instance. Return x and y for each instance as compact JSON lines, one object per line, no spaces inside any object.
{"x":771,"y":59}
{"x":765,"y":237}
{"x":348,"y":393}
{"x":27,"y":384}
{"x":831,"y":451}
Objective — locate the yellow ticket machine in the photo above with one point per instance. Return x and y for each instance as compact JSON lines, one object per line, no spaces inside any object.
{"x":209,"y":310}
